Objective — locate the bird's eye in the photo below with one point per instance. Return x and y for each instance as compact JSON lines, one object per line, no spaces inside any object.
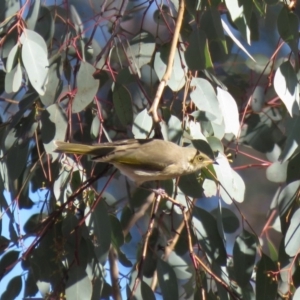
{"x":200,"y":158}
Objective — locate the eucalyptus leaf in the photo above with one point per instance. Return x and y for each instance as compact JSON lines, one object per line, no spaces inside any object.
{"x":142,"y":125}
{"x":123,"y":104}
{"x":277,"y":172}
{"x":99,"y":223}
{"x":87,"y":87}
{"x":229,"y":111}
{"x":197,"y":55}
{"x":287,"y":24}
{"x":13,"y":79}
{"x":244,"y":253}
{"x":12,"y":58}
{"x":287,"y":196}
{"x":167,"y":280}
{"x":54,"y":84}
{"x":292,"y":237}
{"x":13,"y":288}
{"x":207,"y":233}
{"x":54,"y":126}
{"x":205,"y":98}
{"x":33,"y":47}
{"x":240,"y":13}
{"x":266,"y":287}
{"x":33,"y":14}
{"x":287,"y":88}
{"x":78,"y":284}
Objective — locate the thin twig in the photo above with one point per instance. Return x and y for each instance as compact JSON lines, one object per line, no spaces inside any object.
{"x":145,"y":246}
{"x":164,"y":80}
{"x":114,"y":273}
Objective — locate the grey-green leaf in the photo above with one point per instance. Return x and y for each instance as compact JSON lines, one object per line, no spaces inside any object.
{"x":13,"y":79}
{"x":205,"y":98}
{"x":292,"y":237}
{"x":78,"y":285}
{"x":35,"y":59}
{"x":87,"y":87}
{"x":142,"y":125}
{"x":208,"y":235}
{"x":244,"y":253}
{"x":167,"y":280}
{"x":287,"y":88}
{"x":266,"y":283}
{"x":123,"y":104}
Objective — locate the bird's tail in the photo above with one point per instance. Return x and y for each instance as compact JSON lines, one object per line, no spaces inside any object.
{"x":80,"y":149}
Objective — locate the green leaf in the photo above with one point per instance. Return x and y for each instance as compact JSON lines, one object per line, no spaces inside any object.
{"x":236,"y":40}
{"x":287,"y":197}
{"x":230,"y":221}
{"x":229,"y":111}
{"x":13,"y":79}
{"x":177,"y":78}
{"x":54,"y":126}
{"x":286,"y":87}
{"x":171,"y":129}
{"x":205,"y":98}
{"x":293,"y":140}
{"x":207,"y":232}
{"x":240,"y":13}
{"x":99,"y":223}
{"x":146,"y":291}
{"x":12,"y":58}
{"x":190,"y":186}
{"x":45,"y":25}
{"x":33,"y":14}
{"x":37,"y":69}
{"x":141,"y":49}
{"x":210,"y":22}
{"x":142,"y":125}
{"x":277,"y":172}
{"x":180,"y":266}
{"x":7,"y":261}
{"x":292,"y":237}
{"x":244,"y":253}
{"x":124,"y":260}
{"x":71,"y":234}
{"x":167,"y":280}
{"x":117,"y":233}
{"x":30,"y":286}
{"x":4,"y":242}
{"x":297,"y":294}
{"x":8,"y":8}
{"x":54,"y":85}
{"x":266,"y":283}
{"x":78,"y":25}
{"x":32,"y":224}
{"x":95,"y":128}
{"x":197,"y":55}
{"x":78,"y":285}
{"x":87,"y":87}
{"x":17,"y":159}
{"x":288,"y":24}
{"x":273,"y":250}
{"x":13,"y":288}
{"x":123,"y":104}
{"x":204,"y":147}
{"x":233,"y":186}
{"x":215,"y":144}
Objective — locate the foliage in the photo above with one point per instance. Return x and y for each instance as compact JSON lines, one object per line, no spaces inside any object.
{"x":187,"y":72}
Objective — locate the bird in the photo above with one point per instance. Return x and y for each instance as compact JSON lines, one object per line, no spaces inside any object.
{"x":142,"y":160}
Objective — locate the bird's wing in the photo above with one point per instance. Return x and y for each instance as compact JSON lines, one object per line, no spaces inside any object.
{"x":141,"y":153}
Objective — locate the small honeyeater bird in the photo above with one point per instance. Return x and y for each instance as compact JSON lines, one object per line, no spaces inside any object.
{"x":143,"y":160}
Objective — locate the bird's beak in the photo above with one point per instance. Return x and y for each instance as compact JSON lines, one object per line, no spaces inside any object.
{"x":215,"y":162}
